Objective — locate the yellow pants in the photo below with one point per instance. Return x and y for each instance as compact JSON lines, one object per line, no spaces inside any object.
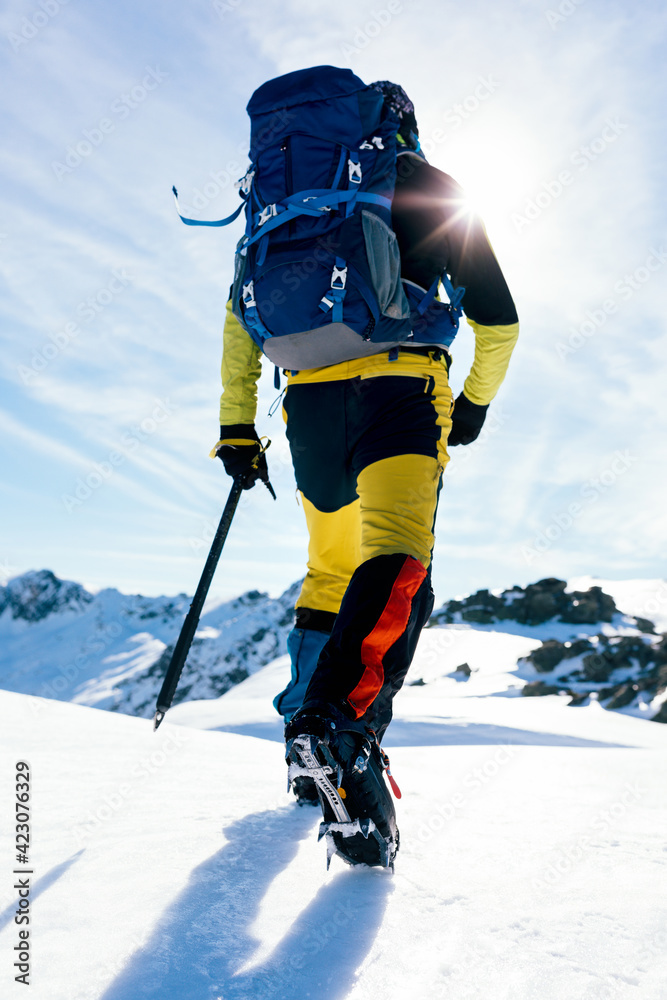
{"x":393,"y":499}
{"x":369,"y":449}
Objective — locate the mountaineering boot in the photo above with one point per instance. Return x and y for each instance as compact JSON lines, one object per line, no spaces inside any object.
{"x":343,"y":758}
{"x":305,"y":790}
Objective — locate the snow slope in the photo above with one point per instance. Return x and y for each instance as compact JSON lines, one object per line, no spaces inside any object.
{"x":173,"y":864}
{"x":105,"y":650}
{"x":488,"y":704}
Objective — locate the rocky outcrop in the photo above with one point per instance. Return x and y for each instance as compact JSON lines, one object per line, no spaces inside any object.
{"x":533,"y":605}
{"x":32,"y":597}
{"x":617,"y":668}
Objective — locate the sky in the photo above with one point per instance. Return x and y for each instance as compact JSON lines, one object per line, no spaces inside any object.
{"x":111,"y":311}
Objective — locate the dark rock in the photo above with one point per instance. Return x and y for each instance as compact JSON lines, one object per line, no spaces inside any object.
{"x":252,"y":596}
{"x":661,"y":678}
{"x":464,"y":669}
{"x":588,"y":607}
{"x":483,"y":608}
{"x":644,"y":625}
{"x":547,"y":656}
{"x":662,"y":714}
{"x":226,"y":681}
{"x":578,"y":647}
{"x":660,"y":650}
{"x":541,"y":601}
{"x":539,"y":688}
{"x":579,"y":698}
{"x":597,"y":666}
{"x":478,"y":616}
{"x":624,"y":695}
{"x":631,"y":648}
{"x":537,"y":603}
{"x":36,"y":595}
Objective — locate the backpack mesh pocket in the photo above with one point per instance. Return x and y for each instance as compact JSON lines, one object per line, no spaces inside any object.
{"x":384,"y":261}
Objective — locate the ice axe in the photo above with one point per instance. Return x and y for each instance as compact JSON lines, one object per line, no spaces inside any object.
{"x":187,"y":634}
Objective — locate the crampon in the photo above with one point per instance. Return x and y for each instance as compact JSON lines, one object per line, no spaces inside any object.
{"x":347,"y":764}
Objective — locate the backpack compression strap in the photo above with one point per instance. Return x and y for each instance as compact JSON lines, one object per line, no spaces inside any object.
{"x":302,"y":203}
{"x":454,"y":296}
{"x":201,"y":222}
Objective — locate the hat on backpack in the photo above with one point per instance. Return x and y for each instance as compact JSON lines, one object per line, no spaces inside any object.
{"x":399,"y":102}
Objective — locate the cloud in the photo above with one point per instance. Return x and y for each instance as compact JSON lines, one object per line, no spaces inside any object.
{"x":508,"y":101}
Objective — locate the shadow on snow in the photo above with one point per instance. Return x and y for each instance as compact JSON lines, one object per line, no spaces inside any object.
{"x":40,"y":886}
{"x":440,"y":732}
{"x":203,"y":939}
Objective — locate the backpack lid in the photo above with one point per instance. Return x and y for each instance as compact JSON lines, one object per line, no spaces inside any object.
{"x":313,"y":84}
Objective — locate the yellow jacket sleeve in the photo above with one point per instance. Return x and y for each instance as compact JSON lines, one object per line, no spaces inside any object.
{"x":493,"y":349}
{"x":240,"y":370}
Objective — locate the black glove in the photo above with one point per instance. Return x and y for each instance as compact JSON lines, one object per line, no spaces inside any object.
{"x":467,"y":421}
{"x":246,"y":459}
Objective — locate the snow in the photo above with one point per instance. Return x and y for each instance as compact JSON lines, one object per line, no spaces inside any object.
{"x":174,"y":865}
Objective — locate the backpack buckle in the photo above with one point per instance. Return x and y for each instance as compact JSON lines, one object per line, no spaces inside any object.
{"x":354,"y":171}
{"x":339,"y":276}
{"x":334,"y":297}
{"x":267,"y":213}
{"x":314,"y":197}
{"x":245,"y":183}
{"x":375,"y":143}
{"x":248,"y":295}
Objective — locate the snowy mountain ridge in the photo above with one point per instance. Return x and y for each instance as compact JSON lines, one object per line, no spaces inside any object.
{"x":110,"y":650}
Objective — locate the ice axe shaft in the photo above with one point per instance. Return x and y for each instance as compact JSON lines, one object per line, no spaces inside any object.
{"x":184,"y":641}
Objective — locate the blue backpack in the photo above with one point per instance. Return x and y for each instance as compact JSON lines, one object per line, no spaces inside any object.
{"x":317,"y":276}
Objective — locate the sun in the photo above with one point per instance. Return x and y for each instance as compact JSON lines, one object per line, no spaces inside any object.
{"x":496,"y":166}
